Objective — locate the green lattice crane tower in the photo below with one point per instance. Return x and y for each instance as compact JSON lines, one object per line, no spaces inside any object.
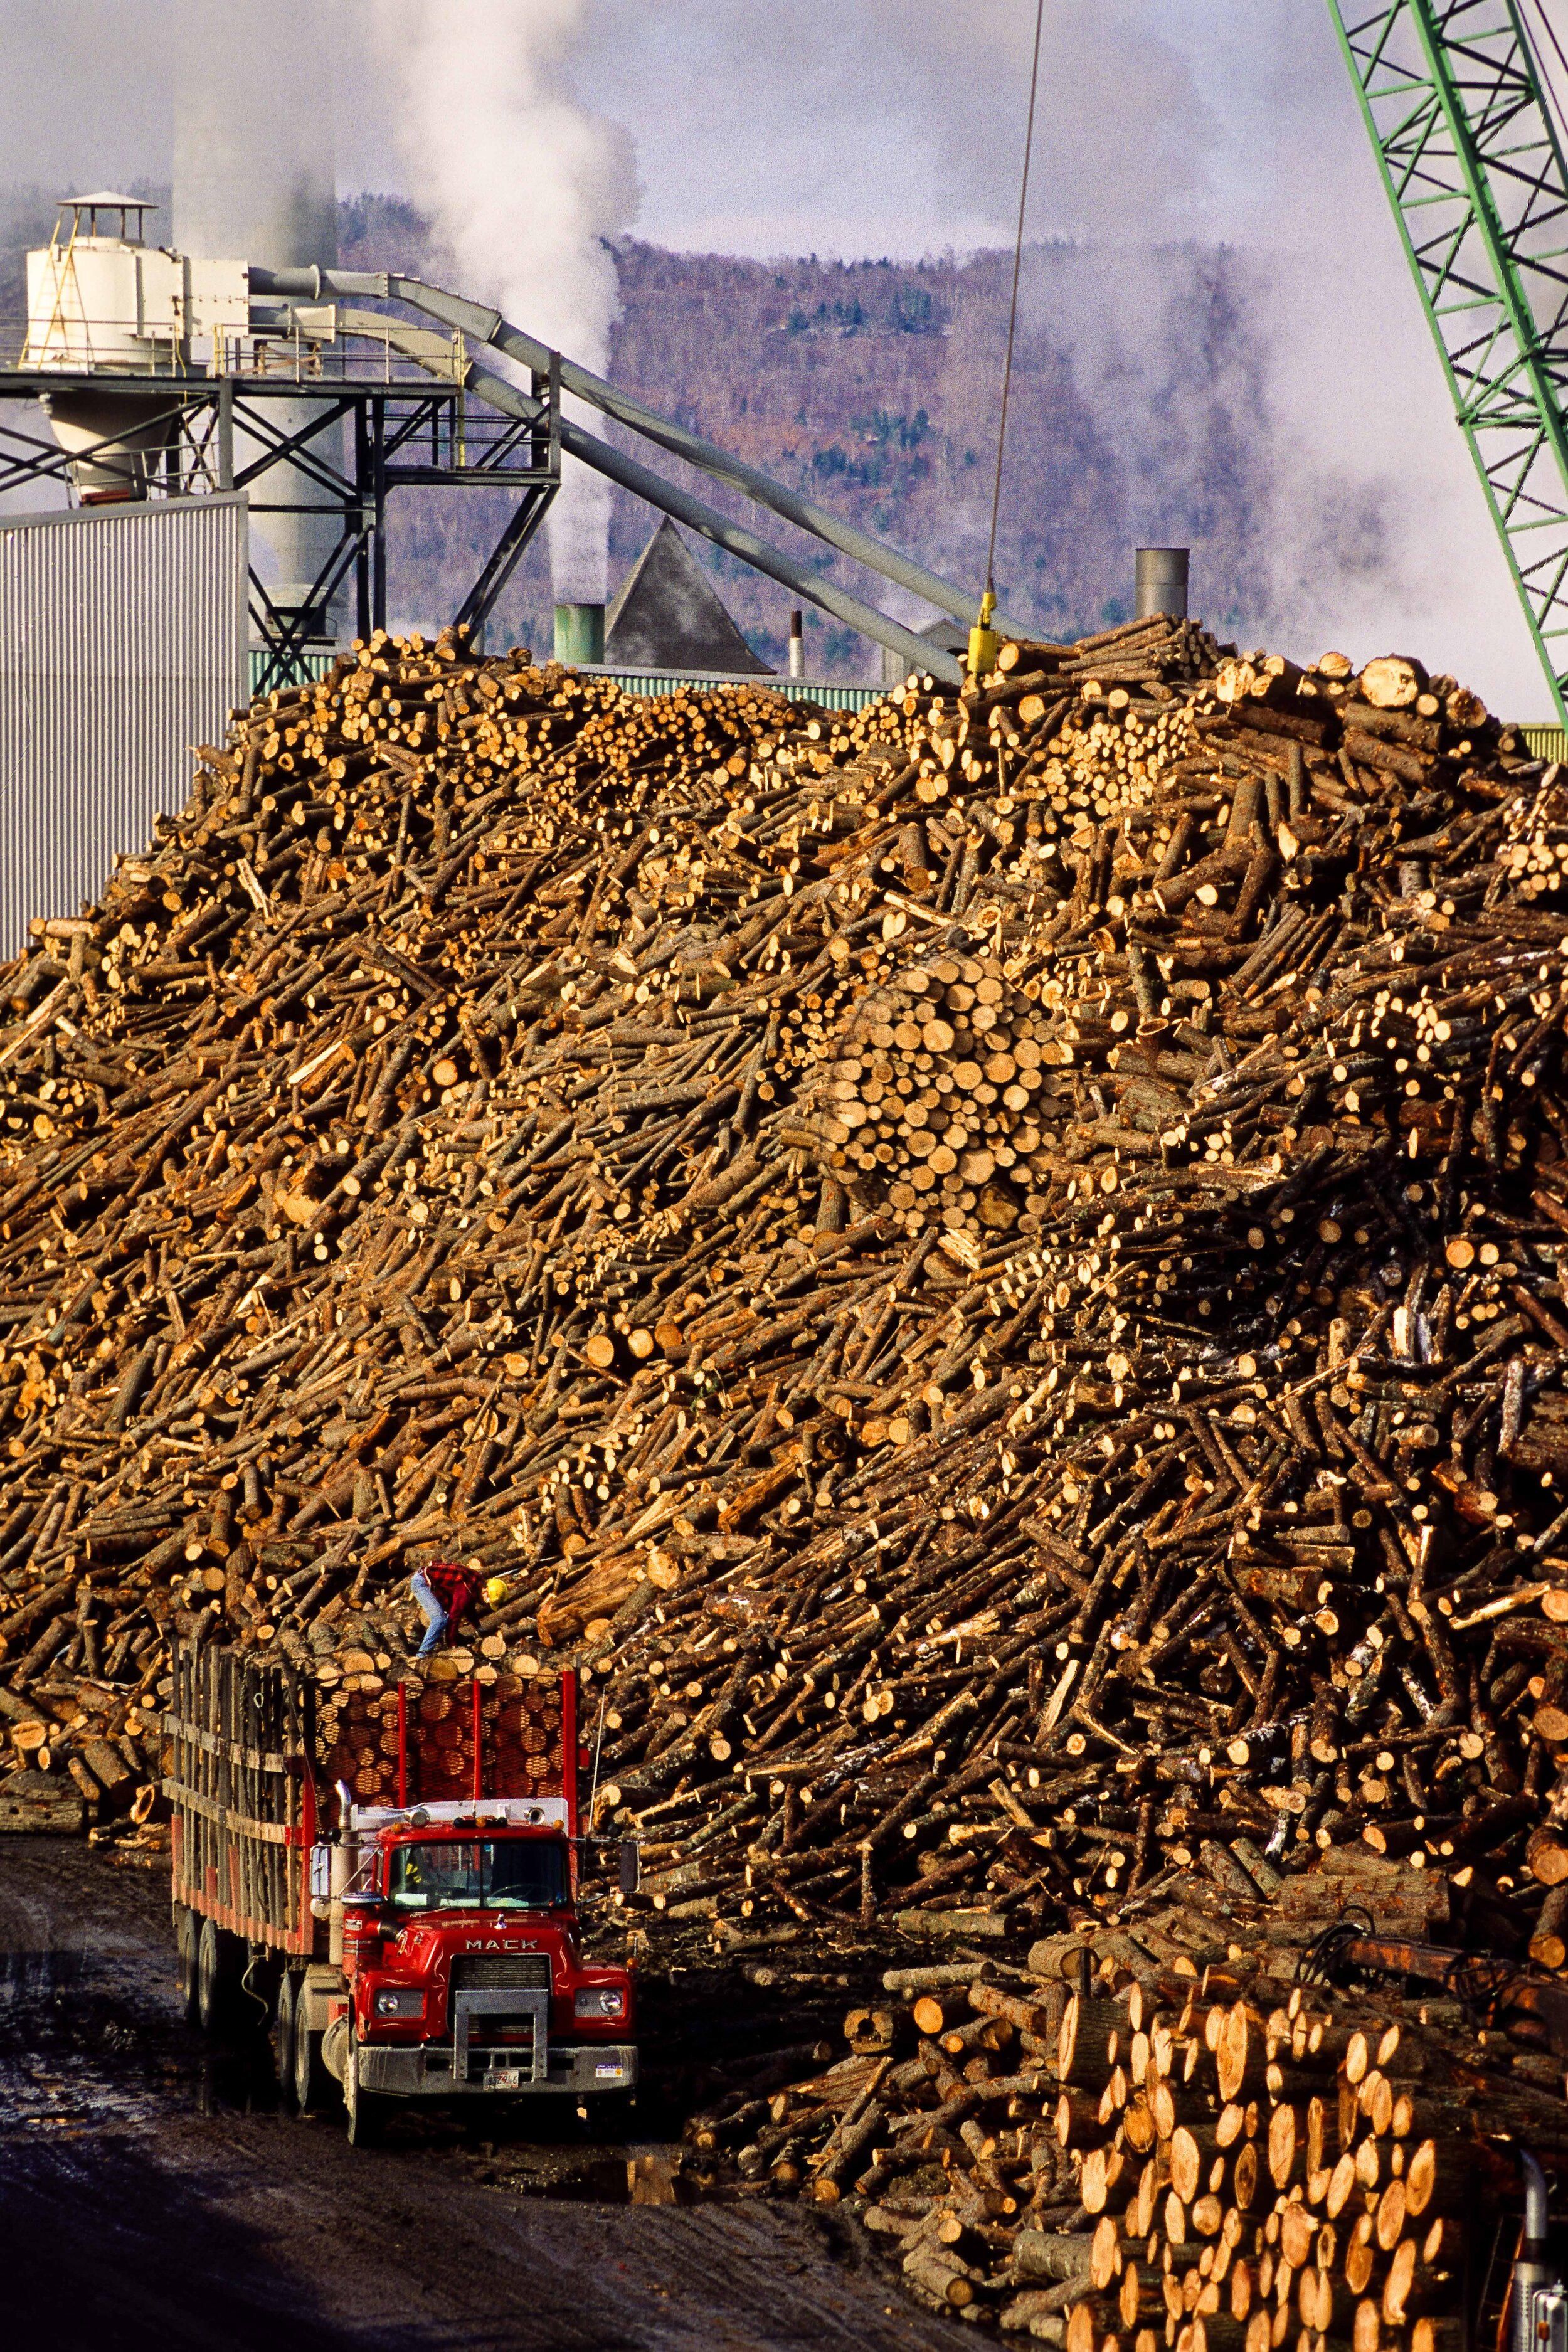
{"x":1471,"y":159}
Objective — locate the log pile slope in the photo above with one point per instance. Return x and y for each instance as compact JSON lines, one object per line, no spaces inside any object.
{"x":988,"y":1268}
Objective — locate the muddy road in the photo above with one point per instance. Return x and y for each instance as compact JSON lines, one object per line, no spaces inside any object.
{"x":156,"y":2193}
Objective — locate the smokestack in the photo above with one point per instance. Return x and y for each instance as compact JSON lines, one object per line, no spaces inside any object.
{"x":1160,"y":581}
{"x":579,"y":633}
{"x":529,"y":191}
{"x":254,"y":181}
{"x":796,"y":644}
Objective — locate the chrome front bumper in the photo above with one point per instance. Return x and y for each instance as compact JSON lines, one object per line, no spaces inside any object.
{"x":595,"y":2068}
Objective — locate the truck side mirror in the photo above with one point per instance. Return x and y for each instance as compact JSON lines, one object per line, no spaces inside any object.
{"x":631,"y":1865}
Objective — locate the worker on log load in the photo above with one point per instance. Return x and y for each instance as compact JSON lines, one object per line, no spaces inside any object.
{"x":447,"y":1592}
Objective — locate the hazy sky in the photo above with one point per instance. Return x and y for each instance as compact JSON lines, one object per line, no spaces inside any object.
{"x":856,"y":127}
{"x":840,"y":126}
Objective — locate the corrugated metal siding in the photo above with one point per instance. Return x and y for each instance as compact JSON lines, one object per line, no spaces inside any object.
{"x":794,"y":689}
{"x":1547,"y":741}
{"x":301,"y":669}
{"x":122,"y":643}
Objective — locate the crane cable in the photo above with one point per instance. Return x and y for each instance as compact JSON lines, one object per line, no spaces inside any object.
{"x":983,"y":639}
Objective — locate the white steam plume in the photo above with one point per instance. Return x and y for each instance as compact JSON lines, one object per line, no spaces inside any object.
{"x":524,"y":184}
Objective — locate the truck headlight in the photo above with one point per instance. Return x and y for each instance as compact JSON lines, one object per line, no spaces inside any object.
{"x":393,"y":2003}
{"x":601,"y":2000}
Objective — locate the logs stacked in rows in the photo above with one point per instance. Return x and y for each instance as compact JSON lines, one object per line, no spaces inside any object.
{"x":358,"y":1739}
{"x":1156,"y":2159}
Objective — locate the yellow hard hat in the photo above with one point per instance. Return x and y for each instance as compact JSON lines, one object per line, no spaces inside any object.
{"x":496,"y":1590}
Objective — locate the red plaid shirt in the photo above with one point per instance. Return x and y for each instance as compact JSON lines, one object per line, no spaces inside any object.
{"x":455,"y":1588}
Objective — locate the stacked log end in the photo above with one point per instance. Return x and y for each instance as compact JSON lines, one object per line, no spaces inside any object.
{"x":988,"y":1269}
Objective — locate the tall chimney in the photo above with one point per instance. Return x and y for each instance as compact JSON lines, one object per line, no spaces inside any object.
{"x":254,"y":181}
{"x":1160,"y":581}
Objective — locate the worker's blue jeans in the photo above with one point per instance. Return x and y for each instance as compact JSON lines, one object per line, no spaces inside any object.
{"x":435,"y":1616}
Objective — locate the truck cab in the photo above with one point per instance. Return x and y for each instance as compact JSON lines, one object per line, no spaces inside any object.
{"x":463,"y":1970}
{"x":462,"y":1973}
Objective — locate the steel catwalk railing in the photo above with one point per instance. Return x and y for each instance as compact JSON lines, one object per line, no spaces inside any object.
{"x":1473,"y":166}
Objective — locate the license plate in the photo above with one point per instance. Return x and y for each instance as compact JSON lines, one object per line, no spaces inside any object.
{"x":506,"y":2078}
{"x":608,"y":2074}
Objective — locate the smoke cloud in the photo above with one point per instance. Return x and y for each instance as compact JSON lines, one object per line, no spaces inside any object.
{"x":525,"y":185}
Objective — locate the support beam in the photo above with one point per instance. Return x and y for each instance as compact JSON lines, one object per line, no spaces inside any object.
{"x":484,"y":325}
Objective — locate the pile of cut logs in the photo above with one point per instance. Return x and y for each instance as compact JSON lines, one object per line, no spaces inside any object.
{"x":1136,"y":2155}
{"x":987,"y":1269}
{"x":988,"y":1266}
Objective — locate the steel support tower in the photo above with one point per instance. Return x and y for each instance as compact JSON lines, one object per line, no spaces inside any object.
{"x":365,"y":436}
{"x":1472,"y":162}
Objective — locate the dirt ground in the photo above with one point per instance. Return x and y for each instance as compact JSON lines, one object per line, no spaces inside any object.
{"x":156,"y":2192}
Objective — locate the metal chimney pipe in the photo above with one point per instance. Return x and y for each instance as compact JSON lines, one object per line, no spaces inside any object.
{"x":1160,"y":581}
{"x":796,"y":644}
{"x":579,"y":633}
{"x":254,"y":181}
{"x":1533,"y":2275}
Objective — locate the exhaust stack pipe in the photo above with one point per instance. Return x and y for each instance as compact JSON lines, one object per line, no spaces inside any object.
{"x":579,"y":633}
{"x":1538,"y":2312}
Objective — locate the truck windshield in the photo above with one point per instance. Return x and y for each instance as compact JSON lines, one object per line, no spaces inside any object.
{"x":480,"y":1875}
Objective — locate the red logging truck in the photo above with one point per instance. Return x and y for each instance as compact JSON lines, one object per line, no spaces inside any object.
{"x":421,"y":1944}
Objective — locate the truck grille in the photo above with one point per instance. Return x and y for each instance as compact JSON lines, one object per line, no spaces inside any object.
{"x":507,"y":1971}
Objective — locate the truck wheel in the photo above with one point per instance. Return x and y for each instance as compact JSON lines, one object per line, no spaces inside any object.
{"x":283,"y":2032}
{"x":187,"y":1936}
{"x":216,"y":1977}
{"x":313,"y":2087}
{"x":367,"y":2110}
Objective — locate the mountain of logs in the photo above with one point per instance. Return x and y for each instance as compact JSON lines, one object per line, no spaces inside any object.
{"x":988,"y":1267}
{"x":989,"y":1272}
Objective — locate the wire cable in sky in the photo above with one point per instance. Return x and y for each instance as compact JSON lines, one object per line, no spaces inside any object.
{"x":1012,"y":307}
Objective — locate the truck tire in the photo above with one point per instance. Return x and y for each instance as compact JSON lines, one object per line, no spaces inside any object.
{"x":367,"y":2110}
{"x":313,"y":2087}
{"x":283,"y":2029}
{"x":219,"y":1964}
{"x":187,"y":1936}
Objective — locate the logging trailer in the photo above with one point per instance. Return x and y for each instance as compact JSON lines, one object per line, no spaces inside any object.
{"x":424,"y":1949}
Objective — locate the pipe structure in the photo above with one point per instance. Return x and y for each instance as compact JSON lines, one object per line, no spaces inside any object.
{"x":1532,"y":2272}
{"x":483,"y":325}
{"x":489,"y":327}
{"x":734,"y":537}
{"x":309,"y":285}
{"x":579,"y":633}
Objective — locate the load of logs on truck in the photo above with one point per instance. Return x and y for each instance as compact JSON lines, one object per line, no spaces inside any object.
{"x":987,"y":1272}
{"x":427,"y":1947}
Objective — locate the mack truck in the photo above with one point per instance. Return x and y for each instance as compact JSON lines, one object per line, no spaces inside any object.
{"x":409,"y":1932}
